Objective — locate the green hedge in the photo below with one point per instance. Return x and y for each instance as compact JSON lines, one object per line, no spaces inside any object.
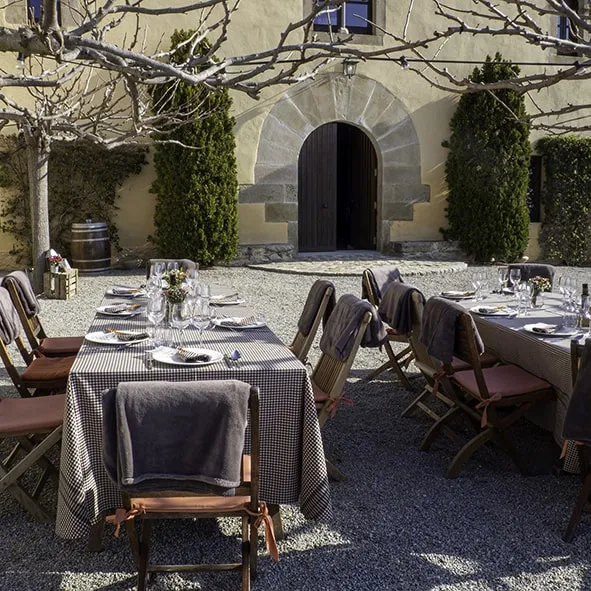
{"x":487,"y":169}
{"x":196,"y":213}
{"x":566,"y":196}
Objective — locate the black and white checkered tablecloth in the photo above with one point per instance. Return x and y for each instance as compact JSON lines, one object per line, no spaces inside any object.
{"x":293,"y":468}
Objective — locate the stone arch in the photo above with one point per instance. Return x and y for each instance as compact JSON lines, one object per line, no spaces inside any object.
{"x":359,"y":101}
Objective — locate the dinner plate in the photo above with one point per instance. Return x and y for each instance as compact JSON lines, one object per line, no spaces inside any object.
{"x":560,"y":331}
{"x":458,"y":295}
{"x":492,"y":311}
{"x":127,"y":292}
{"x":110,"y":338}
{"x":227,"y":323}
{"x":221,"y":302}
{"x":170,"y":356}
{"x":125,"y":313}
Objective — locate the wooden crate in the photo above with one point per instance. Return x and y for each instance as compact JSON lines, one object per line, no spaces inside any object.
{"x":62,"y":285}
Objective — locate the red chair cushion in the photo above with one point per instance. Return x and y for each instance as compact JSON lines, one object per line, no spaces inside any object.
{"x":60,"y":346}
{"x":502,"y":381}
{"x":48,"y":372}
{"x":30,"y":415}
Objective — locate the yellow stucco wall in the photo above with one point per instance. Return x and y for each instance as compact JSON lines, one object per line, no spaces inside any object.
{"x":258,"y":26}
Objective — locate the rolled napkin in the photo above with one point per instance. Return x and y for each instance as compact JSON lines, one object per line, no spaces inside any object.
{"x":492,"y":309}
{"x":118,"y":308}
{"x":224,"y":298}
{"x":543,"y":328}
{"x":126,"y":290}
{"x":457,"y":294}
{"x":239,"y":321}
{"x":193,"y":356}
{"x":128,"y":335}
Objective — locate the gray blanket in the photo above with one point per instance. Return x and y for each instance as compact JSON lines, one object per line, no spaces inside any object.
{"x":379,"y":279}
{"x":175,"y":436}
{"x":577,"y":423}
{"x":313,"y":303}
{"x":342,"y":327}
{"x":438,"y":331}
{"x":25,"y":292}
{"x":396,"y":307}
{"x":529,"y":270}
{"x":9,"y":322}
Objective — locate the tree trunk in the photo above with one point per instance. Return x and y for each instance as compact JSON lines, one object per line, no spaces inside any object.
{"x":38,"y":148}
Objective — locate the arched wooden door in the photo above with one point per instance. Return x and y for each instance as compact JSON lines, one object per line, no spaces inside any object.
{"x":337,"y":190}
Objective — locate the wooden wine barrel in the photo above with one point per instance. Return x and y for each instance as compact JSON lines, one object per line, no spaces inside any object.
{"x":91,"y":247}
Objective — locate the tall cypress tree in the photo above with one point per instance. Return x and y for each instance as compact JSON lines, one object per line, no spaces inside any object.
{"x":196,"y":209}
{"x":487,"y":169}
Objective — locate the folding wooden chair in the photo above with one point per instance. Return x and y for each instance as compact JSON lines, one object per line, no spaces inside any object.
{"x":35,"y":426}
{"x":494,"y":397}
{"x":146,"y":506}
{"x":330,"y":374}
{"x":431,"y":369}
{"x":184,"y":264}
{"x":43,"y":375}
{"x":315,"y":308}
{"x":19,"y":287}
{"x":583,"y":502}
{"x":396,"y":361}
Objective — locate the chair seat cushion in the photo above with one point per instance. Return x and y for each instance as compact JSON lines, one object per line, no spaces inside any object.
{"x":47,"y":372}
{"x":60,"y":346}
{"x":30,"y":415}
{"x":502,"y":381}
{"x":197,"y":504}
{"x":486,"y":360}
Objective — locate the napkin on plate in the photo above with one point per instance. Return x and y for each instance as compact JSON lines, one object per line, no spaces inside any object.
{"x":119,"y":308}
{"x":224,"y":298}
{"x":239,"y":321}
{"x":126,"y":290}
{"x":192,"y":356}
{"x":491,"y":310}
{"x":543,"y":328}
{"x":455,"y":294}
{"x":128,"y":335}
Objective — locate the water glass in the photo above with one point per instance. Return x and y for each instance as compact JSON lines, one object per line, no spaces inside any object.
{"x":157,"y":269}
{"x":514,"y":277}
{"x":201,"y":316}
{"x":204,"y":291}
{"x":569,"y":316}
{"x":191,"y":279}
{"x":156,"y":311}
{"x":181,"y":318}
{"x":502,"y":277}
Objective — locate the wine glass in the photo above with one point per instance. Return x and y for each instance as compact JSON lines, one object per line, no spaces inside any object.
{"x":191,"y":278}
{"x":172,"y":266}
{"x":181,"y":318}
{"x":201,"y":316}
{"x":514,"y":277}
{"x":157,"y":269}
{"x":502,"y":277}
{"x":156,"y":311}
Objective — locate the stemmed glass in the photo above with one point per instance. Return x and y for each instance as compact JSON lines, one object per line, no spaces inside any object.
{"x":172,"y":266}
{"x":191,"y":278}
{"x":156,"y":311}
{"x":201,"y":316}
{"x":181,"y":318}
{"x":514,"y":277}
{"x":156,"y":273}
{"x":502,"y":277}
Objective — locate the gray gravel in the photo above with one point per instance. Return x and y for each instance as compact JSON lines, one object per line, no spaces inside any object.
{"x":398,"y":523}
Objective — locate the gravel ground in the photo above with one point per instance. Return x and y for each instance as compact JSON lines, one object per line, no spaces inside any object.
{"x":398,"y":523}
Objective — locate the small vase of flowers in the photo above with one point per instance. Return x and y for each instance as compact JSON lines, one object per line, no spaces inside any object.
{"x":55,"y":262}
{"x":538,"y":286}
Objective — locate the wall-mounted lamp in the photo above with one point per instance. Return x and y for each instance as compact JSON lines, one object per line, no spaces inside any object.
{"x":20,"y":61}
{"x":349,"y":67}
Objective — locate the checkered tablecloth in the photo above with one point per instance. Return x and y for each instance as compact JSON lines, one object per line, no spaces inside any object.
{"x":293,"y":468}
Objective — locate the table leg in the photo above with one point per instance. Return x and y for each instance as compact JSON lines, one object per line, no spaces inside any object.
{"x":275,"y":512}
{"x":95,"y":536}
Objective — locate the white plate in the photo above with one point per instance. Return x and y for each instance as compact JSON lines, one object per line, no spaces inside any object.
{"x":492,"y":311}
{"x":110,"y":338}
{"x":458,"y":295}
{"x":140,"y":293}
{"x":170,"y":356}
{"x":219,"y":301}
{"x":225,"y":323}
{"x":560,"y":331}
{"x":125,"y":313}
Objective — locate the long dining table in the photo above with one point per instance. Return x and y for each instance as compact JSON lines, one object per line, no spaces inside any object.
{"x":293,"y":466}
{"x":545,"y":356}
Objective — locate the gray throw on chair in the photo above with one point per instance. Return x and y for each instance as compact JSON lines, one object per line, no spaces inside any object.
{"x":438,"y":331}
{"x":25,"y":291}
{"x":9,"y":322}
{"x":396,"y":307}
{"x":577,"y":423}
{"x":312,"y":305}
{"x":166,"y":436}
{"x":380,"y":278}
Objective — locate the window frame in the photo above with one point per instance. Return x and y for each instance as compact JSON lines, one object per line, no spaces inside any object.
{"x":341,"y":26}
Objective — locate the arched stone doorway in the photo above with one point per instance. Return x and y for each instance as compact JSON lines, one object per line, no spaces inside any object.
{"x":337,"y":190}
{"x":361,"y":102}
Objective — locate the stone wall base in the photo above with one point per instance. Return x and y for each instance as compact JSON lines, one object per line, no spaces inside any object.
{"x":263,"y":253}
{"x":437,"y":250}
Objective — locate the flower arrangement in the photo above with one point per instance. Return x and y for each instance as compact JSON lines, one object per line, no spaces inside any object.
{"x":540,"y":284}
{"x":175,"y":294}
{"x":56,"y":259}
{"x":175,"y":277}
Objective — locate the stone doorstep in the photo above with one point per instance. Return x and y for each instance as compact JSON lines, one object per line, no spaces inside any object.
{"x":436,"y":250}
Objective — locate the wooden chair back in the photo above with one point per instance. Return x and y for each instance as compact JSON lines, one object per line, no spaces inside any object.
{"x":32,"y":326}
{"x":372,"y":297}
{"x":302,"y":343}
{"x":330,"y":374}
